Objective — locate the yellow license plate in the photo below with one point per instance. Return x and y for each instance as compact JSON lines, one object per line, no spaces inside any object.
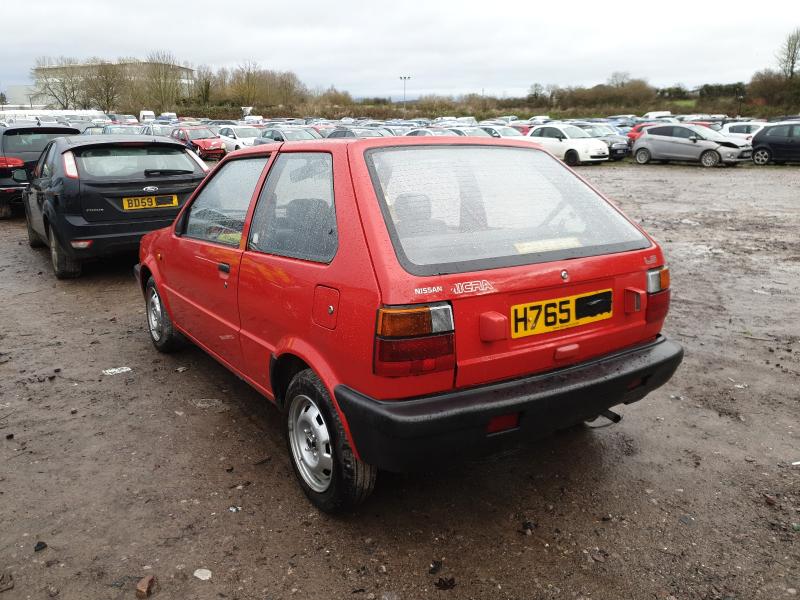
{"x":534,"y":318}
{"x":140,"y":202}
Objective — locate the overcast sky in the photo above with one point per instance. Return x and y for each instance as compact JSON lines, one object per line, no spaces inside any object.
{"x":446,"y":46}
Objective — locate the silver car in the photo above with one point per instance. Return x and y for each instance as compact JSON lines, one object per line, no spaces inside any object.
{"x":693,"y":143}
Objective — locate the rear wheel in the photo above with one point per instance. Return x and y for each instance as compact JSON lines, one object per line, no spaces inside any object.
{"x":709,"y":158}
{"x":762,"y":156}
{"x":642,"y":156}
{"x":571,"y":158}
{"x":323,"y":461}
{"x":64,"y":266}
{"x":34,"y":241}
{"x":159,"y":324}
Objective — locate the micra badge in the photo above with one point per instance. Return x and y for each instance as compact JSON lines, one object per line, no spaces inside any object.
{"x":465,"y":287}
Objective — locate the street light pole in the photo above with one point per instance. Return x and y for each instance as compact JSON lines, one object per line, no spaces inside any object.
{"x":405,"y":78}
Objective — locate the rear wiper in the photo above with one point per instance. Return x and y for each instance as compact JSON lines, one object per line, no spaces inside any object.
{"x":151,"y":172}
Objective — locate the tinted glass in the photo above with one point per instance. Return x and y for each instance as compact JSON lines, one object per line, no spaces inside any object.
{"x":739,"y":129}
{"x":455,"y":209}
{"x":295,"y":215}
{"x":667,"y":131}
{"x":30,"y":141}
{"x":682,"y":132}
{"x":218,"y":213}
{"x":132,"y":162}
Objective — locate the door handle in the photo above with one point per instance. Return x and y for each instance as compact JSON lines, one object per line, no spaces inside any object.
{"x":224,"y":267}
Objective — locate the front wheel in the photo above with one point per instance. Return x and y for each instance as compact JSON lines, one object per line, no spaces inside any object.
{"x":761,"y":157}
{"x":323,"y":461}
{"x":159,"y":325}
{"x":710,"y":158}
{"x":571,"y":158}
{"x":64,"y":266}
{"x":642,"y":156}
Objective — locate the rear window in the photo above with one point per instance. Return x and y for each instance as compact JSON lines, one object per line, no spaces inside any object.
{"x":451,"y":209}
{"x":30,"y":141}
{"x":134,"y":161}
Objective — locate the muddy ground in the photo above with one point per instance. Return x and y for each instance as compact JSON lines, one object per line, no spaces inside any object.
{"x":693,"y":495}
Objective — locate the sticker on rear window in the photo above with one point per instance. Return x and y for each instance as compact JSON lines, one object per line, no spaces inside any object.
{"x":547,"y":245}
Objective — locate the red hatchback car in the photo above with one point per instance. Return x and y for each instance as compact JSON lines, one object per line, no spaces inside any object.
{"x":407,"y":302}
{"x":202,"y":140}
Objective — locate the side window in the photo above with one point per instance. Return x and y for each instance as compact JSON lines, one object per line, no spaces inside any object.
{"x":295,"y":215}
{"x":739,"y":129}
{"x":225,"y":131}
{"x":779,"y":131}
{"x":552,"y":132}
{"x":218,"y":213}
{"x":795,"y":131}
{"x":42,"y":166}
{"x":537,"y":133}
{"x":682,"y":132}
{"x":667,"y":131}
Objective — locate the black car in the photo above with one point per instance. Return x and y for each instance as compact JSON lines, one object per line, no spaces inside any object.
{"x":618,"y":147}
{"x":92,"y":196}
{"x":20,"y":147}
{"x":778,"y":143}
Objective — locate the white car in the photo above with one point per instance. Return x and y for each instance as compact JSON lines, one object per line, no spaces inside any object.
{"x":237,"y":137}
{"x":743,"y":130}
{"x":569,"y":143}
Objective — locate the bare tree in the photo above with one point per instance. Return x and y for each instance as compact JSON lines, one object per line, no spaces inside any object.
{"x":788,"y":54}
{"x":619,"y":78}
{"x":105,"y":84}
{"x":163,"y":79}
{"x":202,"y":84}
{"x":59,"y":81}
{"x":244,"y":83}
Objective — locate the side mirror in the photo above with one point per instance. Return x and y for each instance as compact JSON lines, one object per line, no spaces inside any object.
{"x":693,"y":138}
{"x":19,"y":175}
{"x":561,"y":138}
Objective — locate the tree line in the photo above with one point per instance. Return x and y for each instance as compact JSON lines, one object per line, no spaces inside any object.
{"x":158,"y":83}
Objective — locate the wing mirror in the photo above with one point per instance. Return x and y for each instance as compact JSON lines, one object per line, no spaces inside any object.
{"x":19,"y":175}
{"x":693,"y":138}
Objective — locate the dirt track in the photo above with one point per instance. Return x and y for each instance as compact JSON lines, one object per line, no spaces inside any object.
{"x":692,"y":496}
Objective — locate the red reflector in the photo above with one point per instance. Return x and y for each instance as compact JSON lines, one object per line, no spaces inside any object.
{"x":414,"y":356}
{"x":503,"y":423}
{"x":657,"y":306}
{"x":11,"y":163}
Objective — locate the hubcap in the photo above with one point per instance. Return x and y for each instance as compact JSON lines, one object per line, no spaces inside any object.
{"x":761,"y":157}
{"x":310,"y":442}
{"x":641,"y":157}
{"x":154,"y":316}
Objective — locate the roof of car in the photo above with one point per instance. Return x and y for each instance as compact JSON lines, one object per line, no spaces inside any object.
{"x":42,"y":126}
{"x":76,"y":141}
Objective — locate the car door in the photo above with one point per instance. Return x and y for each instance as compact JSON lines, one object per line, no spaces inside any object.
{"x":551,"y":140}
{"x":686,"y":144}
{"x":201,"y":269}
{"x":286,"y":290}
{"x":39,"y":188}
{"x":777,"y":139}
{"x":225,"y":135}
{"x":794,"y":143}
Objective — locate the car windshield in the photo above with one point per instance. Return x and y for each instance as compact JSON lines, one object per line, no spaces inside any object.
{"x":508,"y":131}
{"x":29,"y":141}
{"x":137,"y":161}
{"x":455,"y":209}
{"x":708,"y":134}
{"x":574,"y":132}
{"x":296,"y":135}
{"x":247,"y":132}
{"x":200,"y":134}
{"x":123,"y":130}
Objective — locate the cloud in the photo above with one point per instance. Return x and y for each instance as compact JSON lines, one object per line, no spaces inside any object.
{"x":447,"y":47}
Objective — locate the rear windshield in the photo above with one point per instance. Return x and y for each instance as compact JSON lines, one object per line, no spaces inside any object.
{"x":139,"y":161}
{"x":451,"y":209}
{"x":30,"y":141}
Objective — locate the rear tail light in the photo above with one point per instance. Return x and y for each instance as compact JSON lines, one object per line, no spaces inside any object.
{"x":658,"y":295}
{"x":70,"y":168}
{"x":81,"y":244}
{"x":414,"y":340}
{"x":11,"y":162}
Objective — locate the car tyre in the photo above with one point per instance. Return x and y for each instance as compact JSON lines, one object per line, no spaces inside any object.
{"x":64,"y":266}
{"x":34,"y":241}
{"x":762,"y":156}
{"x":642,"y":156}
{"x":159,"y":324}
{"x":326,"y":467}
{"x":710,"y":158}
{"x":571,"y":158}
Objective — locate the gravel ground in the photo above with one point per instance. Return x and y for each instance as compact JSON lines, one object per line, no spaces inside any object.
{"x":177,"y":465}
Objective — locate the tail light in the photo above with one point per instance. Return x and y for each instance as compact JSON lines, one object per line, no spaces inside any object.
{"x":11,"y":162}
{"x":414,"y":340}
{"x":658,"y":294}
{"x":70,"y":168}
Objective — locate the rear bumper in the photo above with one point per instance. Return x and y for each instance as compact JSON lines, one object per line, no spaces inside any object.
{"x":433,"y":431}
{"x":108,"y":238}
{"x":11,"y":194}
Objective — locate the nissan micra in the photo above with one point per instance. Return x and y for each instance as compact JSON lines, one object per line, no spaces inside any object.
{"x":406,"y":302}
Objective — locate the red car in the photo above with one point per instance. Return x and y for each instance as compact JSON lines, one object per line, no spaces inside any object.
{"x":202,"y":140}
{"x":636,"y":132}
{"x":406,"y":303}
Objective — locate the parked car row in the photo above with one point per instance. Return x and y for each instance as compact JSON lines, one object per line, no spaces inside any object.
{"x":463,"y":274}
